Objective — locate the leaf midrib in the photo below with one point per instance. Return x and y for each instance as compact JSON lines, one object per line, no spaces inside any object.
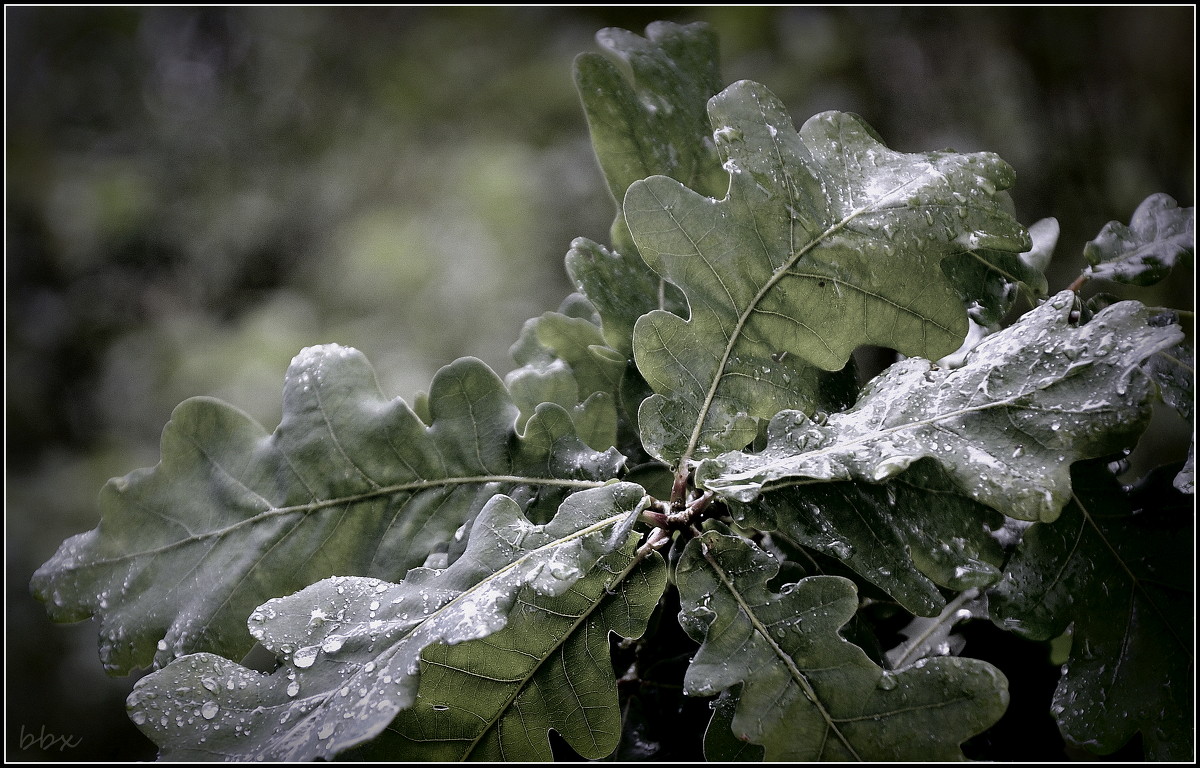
{"x":304,"y":509}
{"x":779,"y":274}
{"x":793,"y":671}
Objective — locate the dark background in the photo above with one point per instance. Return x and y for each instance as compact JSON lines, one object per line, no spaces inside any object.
{"x":195,"y":194}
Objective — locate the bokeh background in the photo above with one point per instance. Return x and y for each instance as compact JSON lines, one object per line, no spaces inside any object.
{"x":195,"y":194}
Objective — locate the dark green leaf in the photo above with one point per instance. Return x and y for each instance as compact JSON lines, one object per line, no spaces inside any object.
{"x":1159,"y":234}
{"x":808,"y":694}
{"x":1118,"y":567}
{"x":1006,"y":426}
{"x":646,"y":116}
{"x":351,"y":483}
{"x":350,"y":646}
{"x":720,"y":745}
{"x":1175,"y":372}
{"x":905,"y":536}
{"x":826,"y":240}
{"x":989,"y":280}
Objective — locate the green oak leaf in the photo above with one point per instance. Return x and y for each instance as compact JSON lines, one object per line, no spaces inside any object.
{"x":351,"y":483}
{"x":645,"y":106}
{"x":565,"y":361}
{"x":907,"y":536}
{"x":622,"y":288}
{"x":497,"y":698}
{"x":351,"y":646}
{"x":720,"y":745}
{"x":1144,"y":252}
{"x":1006,"y":426}
{"x":1118,"y":567}
{"x":807,"y":694}
{"x":825,"y":240}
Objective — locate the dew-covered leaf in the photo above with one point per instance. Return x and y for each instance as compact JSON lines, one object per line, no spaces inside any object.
{"x":351,"y":483}
{"x":350,"y":646}
{"x":807,"y":694}
{"x":1144,"y":252}
{"x":1117,"y":566}
{"x":825,"y":240}
{"x":907,"y":536}
{"x":497,"y":698}
{"x":1005,"y":427}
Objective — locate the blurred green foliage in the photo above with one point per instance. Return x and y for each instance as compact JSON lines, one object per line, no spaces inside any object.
{"x":195,"y":194}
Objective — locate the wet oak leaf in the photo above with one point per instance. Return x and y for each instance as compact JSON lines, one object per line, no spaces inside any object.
{"x":806,"y":693}
{"x":826,"y":240}
{"x":1117,"y":568}
{"x":497,"y":698}
{"x":1159,"y":234}
{"x":351,"y":483}
{"x":350,"y":647}
{"x":1005,"y":426}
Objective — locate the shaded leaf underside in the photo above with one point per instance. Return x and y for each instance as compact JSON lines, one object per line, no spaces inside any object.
{"x":1118,"y":567}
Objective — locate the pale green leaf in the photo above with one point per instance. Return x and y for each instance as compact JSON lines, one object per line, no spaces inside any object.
{"x":351,"y":483}
{"x":497,"y":698}
{"x":621,"y":286}
{"x":1144,"y":252}
{"x":350,"y":646}
{"x":935,"y":636}
{"x":807,"y":694}
{"x":564,"y":361}
{"x":1005,"y":427}
{"x":825,"y":240}
{"x":1118,"y":567}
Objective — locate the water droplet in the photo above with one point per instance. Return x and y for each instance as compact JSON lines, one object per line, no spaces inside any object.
{"x":440,"y":707}
{"x":887,"y":682}
{"x":333,"y":643}
{"x":293,"y":688}
{"x":305,"y":657}
{"x":210,"y":710}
